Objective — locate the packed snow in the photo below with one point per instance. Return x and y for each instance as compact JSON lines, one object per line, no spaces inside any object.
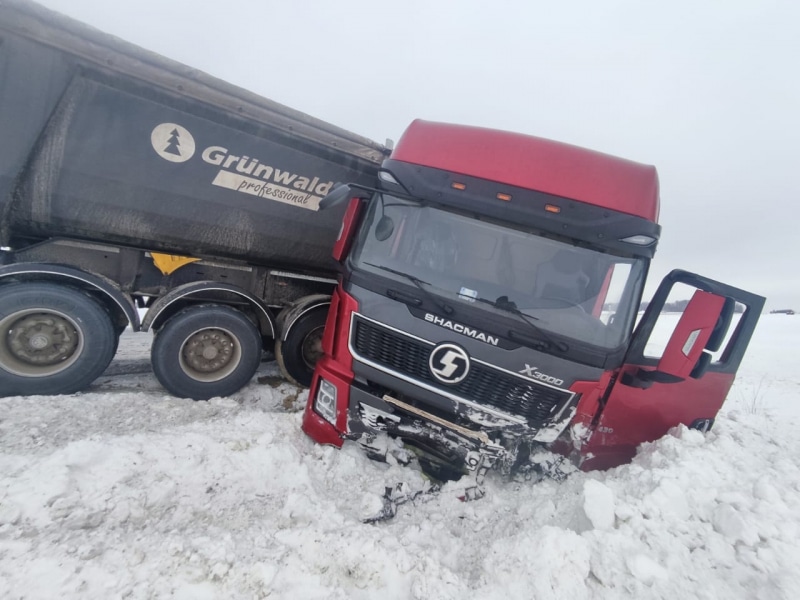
{"x":126,"y":492}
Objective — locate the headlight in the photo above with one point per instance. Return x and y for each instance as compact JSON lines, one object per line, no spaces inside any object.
{"x":325,"y":402}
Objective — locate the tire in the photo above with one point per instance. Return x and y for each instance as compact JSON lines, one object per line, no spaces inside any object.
{"x":206,"y":351}
{"x":54,"y":339}
{"x":298,"y":354}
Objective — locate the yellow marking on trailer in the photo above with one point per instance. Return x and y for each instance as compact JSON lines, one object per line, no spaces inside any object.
{"x":169,"y":263}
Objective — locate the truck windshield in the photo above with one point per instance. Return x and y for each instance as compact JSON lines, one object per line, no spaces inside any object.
{"x":580,"y":293}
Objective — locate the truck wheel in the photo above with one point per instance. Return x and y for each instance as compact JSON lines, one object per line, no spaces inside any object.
{"x":54,"y":339}
{"x":298,"y":354}
{"x":206,"y":351}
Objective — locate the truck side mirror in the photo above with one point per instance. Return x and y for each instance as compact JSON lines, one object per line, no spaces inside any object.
{"x":337,"y":195}
{"x":384,"y":229}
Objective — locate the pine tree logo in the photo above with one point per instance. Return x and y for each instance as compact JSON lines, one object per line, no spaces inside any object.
{"x":172,"y":142}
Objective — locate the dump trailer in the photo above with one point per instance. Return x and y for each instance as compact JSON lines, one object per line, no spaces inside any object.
{"x":486,"y":310}
{"x":129,"y":181}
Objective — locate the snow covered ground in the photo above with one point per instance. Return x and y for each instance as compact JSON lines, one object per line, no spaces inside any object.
{"x":126,"y":492}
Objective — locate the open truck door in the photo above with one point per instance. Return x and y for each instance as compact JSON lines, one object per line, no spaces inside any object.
{"x":683,"y":381}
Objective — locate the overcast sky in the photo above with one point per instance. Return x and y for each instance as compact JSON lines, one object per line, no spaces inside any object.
{"x":707,"y":91}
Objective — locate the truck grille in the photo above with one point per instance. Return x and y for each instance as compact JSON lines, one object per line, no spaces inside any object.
{"x":394,"y":351}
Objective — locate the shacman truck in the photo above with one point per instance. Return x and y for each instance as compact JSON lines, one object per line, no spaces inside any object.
{"x":130,"y":182}
{"x":487,"y":302}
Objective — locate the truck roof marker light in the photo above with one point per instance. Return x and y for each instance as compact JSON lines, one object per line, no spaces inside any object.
{"x":639,"y":240}
{"x":552,"y":208}
{"x":504,"y":197}
{"x":458,"y":186}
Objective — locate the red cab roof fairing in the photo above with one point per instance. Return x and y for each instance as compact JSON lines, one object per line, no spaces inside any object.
{"x":533,"y":163}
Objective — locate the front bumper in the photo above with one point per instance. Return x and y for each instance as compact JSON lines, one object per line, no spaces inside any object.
{"x":432,"y":437}
{"x":364,"y":414}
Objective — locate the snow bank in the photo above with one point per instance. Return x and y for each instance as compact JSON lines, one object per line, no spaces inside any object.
{"x":124,"y":492}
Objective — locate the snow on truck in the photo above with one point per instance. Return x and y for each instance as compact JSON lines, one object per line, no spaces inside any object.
{"x":129,"y":181}
{"x":487,"y":305}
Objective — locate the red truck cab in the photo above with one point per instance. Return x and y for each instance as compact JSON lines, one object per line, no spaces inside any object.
{"x":490,"y":287}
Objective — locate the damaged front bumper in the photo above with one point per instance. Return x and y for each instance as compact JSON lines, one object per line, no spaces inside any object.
{"x":449,"y":437}
{"x":442,"y":445}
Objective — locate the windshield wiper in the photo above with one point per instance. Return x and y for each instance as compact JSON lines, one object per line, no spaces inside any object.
{"x":420,"y":284}
{"x":542,"y":339}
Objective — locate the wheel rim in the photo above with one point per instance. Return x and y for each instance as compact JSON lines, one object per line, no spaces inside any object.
{"x":312,"y":347}
{"x":39,"y":343}
{"x":210,"y":354}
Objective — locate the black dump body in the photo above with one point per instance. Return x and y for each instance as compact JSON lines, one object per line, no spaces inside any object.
{"x":104,"y":141}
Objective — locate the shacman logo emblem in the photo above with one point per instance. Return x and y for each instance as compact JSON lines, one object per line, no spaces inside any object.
{"x":172,"y":142}
{"x":449,"y":363}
